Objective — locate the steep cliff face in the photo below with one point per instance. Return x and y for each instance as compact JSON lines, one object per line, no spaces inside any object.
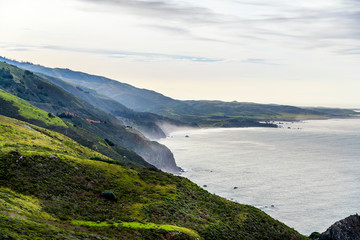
{"x":153,"y":152}
{"x":158,"y":154}
{"x":346,"y":229}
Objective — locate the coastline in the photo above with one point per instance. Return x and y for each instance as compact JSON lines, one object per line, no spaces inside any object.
{"x":206,"y":168}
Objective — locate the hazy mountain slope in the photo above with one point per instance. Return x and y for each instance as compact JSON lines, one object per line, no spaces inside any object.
{"x":147,"y":123}
{"x":215,"y":113}
{"x":137,"y":99}
{"x":51,"y":98}
{"x":335,"y":111}
{"x":50,"y":189}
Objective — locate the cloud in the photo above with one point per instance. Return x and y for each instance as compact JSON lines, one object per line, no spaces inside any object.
{"x":159,"y":56}
{"x":170,"y":29}
{"x":258,"y":61}
{"x":169,"y":10}
{"x":350,"y":51}
{"x":181,"y":32}
{"x":278,"y":21}
{"x":141,"y":56}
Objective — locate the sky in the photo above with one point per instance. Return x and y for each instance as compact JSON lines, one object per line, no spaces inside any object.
{"x":300,"y":52}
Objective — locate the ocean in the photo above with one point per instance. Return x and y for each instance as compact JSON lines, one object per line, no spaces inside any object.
{"x":305,"y":174}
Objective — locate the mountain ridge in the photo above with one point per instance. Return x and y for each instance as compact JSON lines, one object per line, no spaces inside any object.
{"x":51,"y":98}
{"x":204,"y":113}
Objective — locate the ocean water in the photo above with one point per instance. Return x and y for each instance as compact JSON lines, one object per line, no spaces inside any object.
{"x":305,"y":174}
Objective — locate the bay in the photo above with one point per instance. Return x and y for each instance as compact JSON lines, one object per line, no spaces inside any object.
{"x":305,"y":174}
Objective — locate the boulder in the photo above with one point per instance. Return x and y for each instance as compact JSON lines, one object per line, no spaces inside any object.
{"x":346,"y":229}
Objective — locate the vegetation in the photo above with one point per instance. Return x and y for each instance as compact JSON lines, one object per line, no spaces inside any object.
{"x":127,"y":145}
{"x":17,"y":108}
{"x":50,"y":189}
{"x":21,"y":107}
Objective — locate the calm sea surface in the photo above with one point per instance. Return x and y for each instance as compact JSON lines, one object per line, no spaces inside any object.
{"x":305,"y":174}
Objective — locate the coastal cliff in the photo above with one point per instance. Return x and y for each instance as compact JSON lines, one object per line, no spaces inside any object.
{"x":345,"y":229}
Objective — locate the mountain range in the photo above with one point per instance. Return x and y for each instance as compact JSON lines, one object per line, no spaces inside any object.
{"x":195,"y":113}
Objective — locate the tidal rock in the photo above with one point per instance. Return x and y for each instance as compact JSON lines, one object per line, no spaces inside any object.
{"x":346,"y":229}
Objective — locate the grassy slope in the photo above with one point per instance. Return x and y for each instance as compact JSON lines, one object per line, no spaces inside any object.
{"x":18,"y":108}
{"x":28,"y":111}
{"x":50,"y":189}
{"x":42,"y":94}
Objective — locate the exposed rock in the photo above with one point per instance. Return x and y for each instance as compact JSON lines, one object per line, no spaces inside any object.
{"x":346,"y":229}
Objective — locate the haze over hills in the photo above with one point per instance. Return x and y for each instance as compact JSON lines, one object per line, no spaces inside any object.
{"x":198,"y":113}
{"x":51,"y":98}
{"x":147,"y":123}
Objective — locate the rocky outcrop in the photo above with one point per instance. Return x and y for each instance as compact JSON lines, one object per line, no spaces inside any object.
{"x":158,"y":155}
{"x":346,"y":229}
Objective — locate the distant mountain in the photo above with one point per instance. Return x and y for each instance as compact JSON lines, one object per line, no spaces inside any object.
{"x":142,"y":100}
{"x":82,"y":114}
{"x":334,"y":111}
{"x":147,"y":123}
{"x":197,"y":113}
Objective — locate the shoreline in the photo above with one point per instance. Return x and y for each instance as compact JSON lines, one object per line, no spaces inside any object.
{"x":212,"y":172}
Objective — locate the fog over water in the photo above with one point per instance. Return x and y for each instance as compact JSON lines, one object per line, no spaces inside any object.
{"x":305,"y":174}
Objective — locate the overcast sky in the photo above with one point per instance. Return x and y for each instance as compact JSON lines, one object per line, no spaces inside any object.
{"x":300,"y":52}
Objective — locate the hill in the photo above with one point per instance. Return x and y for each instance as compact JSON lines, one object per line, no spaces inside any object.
{"x":147,"y":123}
{"x":18,"y":108}
{"x":51,"y":189}
{"x":83,"y":115}
{"x":198,"y":113}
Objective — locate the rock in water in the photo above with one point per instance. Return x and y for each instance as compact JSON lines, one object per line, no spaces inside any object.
{"x":346,"y":229}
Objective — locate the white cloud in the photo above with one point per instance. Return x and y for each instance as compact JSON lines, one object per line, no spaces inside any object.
{"x":256,"y":45}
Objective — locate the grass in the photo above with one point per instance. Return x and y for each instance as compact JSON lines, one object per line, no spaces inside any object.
{"x":137,"y":225}
{"x":28,"y":111}
{"x":60,"y":188}
{"x":54,"y":99}
{"x":30,"y":139}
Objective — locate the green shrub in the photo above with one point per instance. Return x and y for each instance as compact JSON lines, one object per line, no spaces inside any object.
{"x":111,"y":144}
{"x":5,"y":73}
{"x":315,"y":235}
{"x":109,"y":195}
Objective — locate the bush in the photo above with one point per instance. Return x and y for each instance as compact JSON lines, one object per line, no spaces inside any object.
{"x":109,"y":195}
{"x":315,"y":235}
{"x":27,"y":72}
{"x":5,"y":73}
{"x":111,"y":144}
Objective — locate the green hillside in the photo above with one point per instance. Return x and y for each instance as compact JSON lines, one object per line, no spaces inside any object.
{"x":81,"y":114}
{"x":51,"y":189}
{"x":25,"y":110}
{"x":18,"y":108}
